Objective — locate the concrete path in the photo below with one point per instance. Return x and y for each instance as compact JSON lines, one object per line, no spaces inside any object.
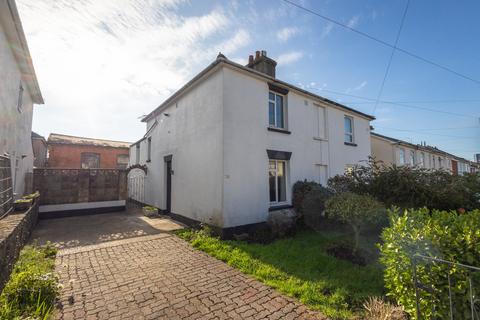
{"x":151,"y":274}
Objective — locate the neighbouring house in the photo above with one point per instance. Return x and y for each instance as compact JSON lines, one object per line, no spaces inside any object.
{"x":395,"y":151}
{"x":39,"y":145}
{"x":19,"y":91}
{"x":227,"y":147}
{"x":66,"y":151}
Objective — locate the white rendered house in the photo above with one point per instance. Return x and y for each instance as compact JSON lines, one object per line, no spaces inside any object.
{"x":19,"y":90}
{"x":227,"y":147}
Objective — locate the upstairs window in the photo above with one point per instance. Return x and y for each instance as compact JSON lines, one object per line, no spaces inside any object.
{"x":149,"y":149}
{"x":90,"y":160}
{"x":422,"y":159}
{"x":20,"y":98}
{"x":276,"y":110}
{"x":412,"y":158}
{"x":348,"y":129}
{"x":137,"y":153}
{"x":122,"y":161}
{"x":401,"y":157}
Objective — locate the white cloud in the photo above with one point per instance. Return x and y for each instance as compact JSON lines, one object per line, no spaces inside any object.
{"x":286,"y":33}
{"x":289,"y":57}
{"x":101,"y":64}
{"x":326,"y":30}
{"x":353,"y":22}
{"x":357,"y":88}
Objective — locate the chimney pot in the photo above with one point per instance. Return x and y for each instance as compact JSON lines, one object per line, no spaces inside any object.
{"x":250,"y":59}
{"x":257,"y":54}
{"x":262,"y":63}
{"x":264,"y":53}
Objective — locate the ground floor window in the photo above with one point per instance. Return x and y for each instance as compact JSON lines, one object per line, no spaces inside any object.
{"x":277,"y":181}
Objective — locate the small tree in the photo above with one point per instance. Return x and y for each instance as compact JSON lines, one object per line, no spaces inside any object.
{"x":358,"y":211}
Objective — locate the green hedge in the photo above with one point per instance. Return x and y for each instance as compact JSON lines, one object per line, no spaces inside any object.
{"x":411,"y":187}
{"x":33,"y":286}
{"x":440,"y":234}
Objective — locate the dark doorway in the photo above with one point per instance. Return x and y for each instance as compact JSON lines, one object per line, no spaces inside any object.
{"x":169,"y":172}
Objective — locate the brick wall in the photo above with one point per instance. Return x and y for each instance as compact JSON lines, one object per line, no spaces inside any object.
{"x":15,"y":230}
{"x":61,"y":186}
{"x":69,"y":155}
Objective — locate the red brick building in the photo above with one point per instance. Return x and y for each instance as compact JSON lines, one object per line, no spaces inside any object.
{"x":78,"y":152}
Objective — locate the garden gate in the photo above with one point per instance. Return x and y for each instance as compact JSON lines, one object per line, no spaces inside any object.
{"x":460,"y":279}
{"x":6,"y":187}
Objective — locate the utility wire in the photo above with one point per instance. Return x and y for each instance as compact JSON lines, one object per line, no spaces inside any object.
{"x":391,"y":58}
{"x":398,"y":104}
{"x":366,"y":35}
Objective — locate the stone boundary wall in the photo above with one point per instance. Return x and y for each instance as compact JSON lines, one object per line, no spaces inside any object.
{"x":63,"y":186}
{"x":15,"y":231}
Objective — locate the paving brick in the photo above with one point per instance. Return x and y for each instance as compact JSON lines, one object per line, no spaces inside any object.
{"x":163,"y":277}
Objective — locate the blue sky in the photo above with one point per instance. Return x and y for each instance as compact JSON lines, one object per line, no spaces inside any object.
{"x":103,"y":64}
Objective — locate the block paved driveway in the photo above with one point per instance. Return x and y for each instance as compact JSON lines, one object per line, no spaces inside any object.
{"x":160,"y":276}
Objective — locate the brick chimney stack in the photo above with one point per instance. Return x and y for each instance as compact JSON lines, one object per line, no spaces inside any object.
{"x":262,"y":63}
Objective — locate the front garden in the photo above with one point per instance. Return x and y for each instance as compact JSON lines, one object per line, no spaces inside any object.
{"x":353,"y":251}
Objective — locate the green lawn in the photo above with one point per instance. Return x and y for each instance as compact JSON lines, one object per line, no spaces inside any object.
{"x":299,"y":267}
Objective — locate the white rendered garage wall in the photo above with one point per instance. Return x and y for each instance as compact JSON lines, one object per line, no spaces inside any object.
{"x":190,"y":129}
{"x":246,"y":139}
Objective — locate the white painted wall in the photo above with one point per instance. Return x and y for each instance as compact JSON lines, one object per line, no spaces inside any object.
{"x":15,"y":126}
{"x":246,"y":139}
{"x":192,"y":134}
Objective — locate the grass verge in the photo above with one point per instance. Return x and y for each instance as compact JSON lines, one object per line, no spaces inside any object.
{"x":299,"y":267}
{"x":33,"y":286}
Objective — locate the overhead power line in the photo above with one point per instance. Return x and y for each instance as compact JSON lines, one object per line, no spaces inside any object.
{"x":391,"y":58}
{"x":399,"y":104}
{"x":366,"y":35}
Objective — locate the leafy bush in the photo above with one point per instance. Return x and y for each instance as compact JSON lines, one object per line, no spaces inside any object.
{"x":314,"y":206}
{"x":441,"y":234}
{"x":33,"y":286}
{"x":358,"y":211}
{"x":411,"y":187}
{"x":300,"y":189}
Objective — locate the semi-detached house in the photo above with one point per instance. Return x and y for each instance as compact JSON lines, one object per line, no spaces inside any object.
{"x":227,"y":147}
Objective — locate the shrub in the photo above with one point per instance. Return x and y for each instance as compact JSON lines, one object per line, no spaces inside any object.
{"x":411,"y":187}
{"x":33,"y":287}
{"x":314,"y":206}
{"x":441,"y":234}
{"x":358,"y":211}
{"x":300,"y":189}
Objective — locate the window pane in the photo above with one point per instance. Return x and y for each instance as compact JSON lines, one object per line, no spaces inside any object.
{"x":271,"y":96}
{"x":271,"y":180}
{"x":271,"y":113}
{"x":282,"y":194}
{"x":348,"y":125}
{"x":279,"y":111}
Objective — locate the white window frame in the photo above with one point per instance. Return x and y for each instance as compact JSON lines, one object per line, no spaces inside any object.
{"x":284,"y":108}
{"x":149,"y":149}
{"x":20,"y":98}
{"x":285,"y":166}
{"x":137,"y":153}
{"x":422,"y":159}
{"x":350,"y":134}
{"x":401,"y":156}
{"x":411,"y":160}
